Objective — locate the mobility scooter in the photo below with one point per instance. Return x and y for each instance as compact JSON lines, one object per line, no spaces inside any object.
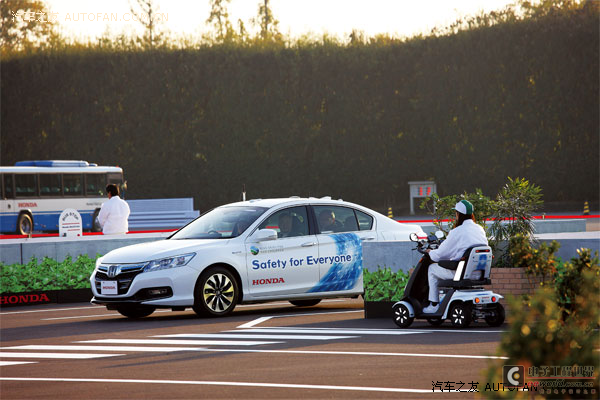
{"x":463,"y":299}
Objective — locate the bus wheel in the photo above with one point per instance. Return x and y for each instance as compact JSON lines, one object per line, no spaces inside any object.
{"x":95,"y":225}
{"x":24,"y":224}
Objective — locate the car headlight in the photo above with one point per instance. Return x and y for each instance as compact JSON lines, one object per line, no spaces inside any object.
{"x":170,"y":262}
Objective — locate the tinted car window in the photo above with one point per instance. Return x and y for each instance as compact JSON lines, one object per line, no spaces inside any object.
{"x":365,"y":221}
{"x":290,"y":222}
{"x":335,"y":219}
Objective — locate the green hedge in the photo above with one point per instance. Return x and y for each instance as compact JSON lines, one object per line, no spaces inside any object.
{"x":49,"y":274}
{"x":359,"y":121}
{"x":384,"y":285}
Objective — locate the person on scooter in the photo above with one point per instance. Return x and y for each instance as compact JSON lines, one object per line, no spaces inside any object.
{"x":465,"y":234}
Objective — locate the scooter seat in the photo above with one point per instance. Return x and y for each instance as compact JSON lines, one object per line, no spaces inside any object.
{"x":464,"y":283}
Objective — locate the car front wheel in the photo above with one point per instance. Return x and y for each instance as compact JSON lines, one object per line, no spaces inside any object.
{"x":216,"y":293}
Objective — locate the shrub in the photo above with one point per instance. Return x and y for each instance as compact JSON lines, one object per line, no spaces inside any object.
{"x":442,"y":208}
{"x":559,"y":328}
{"x":49,"y":274}
{"x":541,"y":262}
{"x":384,"y":285}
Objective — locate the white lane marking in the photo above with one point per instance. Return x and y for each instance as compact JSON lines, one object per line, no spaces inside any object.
{"x":329,"y":331}
{"x":355,"y":353}
{"x":255,"y":322}
{"x":101,"y":348}
{"x":181,"y":342}
{"x":8,"y":363}
{"x":263,"y":319}
{"x":50,"y":310}
{"x":56,"y":355}
{"x":157,"y":311}
{"x":243,"y":336}
{"x":94,"y":316}
{"x":219,"y":383}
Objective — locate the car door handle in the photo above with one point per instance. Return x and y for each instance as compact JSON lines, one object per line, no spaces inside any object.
{"x":308,"y":244}
{"x":368,"y":238}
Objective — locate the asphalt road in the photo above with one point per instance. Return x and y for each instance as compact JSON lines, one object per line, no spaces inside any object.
{"x":273,"y":350}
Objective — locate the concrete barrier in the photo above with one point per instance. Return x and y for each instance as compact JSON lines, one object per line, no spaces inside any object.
{"x":397,"y":255}
{"x":20,"y":251}
{"x":541,"y":226}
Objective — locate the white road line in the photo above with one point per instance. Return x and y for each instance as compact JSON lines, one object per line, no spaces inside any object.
{"x":101,"y":348}
{"x":356,"y":353}
{"x":219,"y":383}
{"x":8,"y":363}
{"x":329,"y":331}
{"x":291,"y":329}
{"x":94,"y":316}
{"x":243,"y":336}
{"x":48,"y":311}
{"x":181,"y":342}
{"x":257,"y":321}
{"x":80,"y":356}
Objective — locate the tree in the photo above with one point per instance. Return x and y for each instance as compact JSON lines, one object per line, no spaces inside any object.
{"x":147,"y":14}
{"x":219,"y":18}
{"x":267,"y":22}
{"x":25,"y":24}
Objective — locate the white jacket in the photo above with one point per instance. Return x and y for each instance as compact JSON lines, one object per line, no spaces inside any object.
{"x":113,"y":216}
{"x":459,"y":239}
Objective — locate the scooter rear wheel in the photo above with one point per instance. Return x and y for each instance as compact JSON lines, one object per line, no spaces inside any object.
{"x":402,"y":316}
{"x":498,"y":318}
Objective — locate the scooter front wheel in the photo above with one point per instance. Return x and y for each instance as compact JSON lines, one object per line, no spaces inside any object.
{"x":402,"y":316}
{"x":460,"y":315}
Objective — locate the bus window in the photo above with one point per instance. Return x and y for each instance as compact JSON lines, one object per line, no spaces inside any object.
{"x":50,"y":185}
{"x":95,"y":184}
{"x":72,"y":184}
{"x":26,"y":185}
{"x":116,"y":179}
{"x":8,"y":187}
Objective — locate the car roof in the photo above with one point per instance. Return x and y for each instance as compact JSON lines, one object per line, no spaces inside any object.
{"x":291,"y":200}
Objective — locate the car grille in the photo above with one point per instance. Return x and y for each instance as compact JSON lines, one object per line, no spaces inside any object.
{"x":124,"y":274}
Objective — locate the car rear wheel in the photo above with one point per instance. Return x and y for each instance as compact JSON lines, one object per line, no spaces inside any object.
{"x":305,"y":303}
{"x":135,"y":311}
{"x":216,"y":293}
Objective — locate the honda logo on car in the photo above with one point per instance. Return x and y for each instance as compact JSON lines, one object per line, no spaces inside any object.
{"x":113,"y":271}
{"x":293,"y":262}
{"x":268,"y":281}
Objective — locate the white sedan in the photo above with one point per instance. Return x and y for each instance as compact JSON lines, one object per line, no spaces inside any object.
{"x":296,"y":249}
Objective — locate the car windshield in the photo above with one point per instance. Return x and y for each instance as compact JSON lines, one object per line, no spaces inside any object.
{"x":221,"y":223}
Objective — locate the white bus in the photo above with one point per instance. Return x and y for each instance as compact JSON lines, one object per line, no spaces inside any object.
{"x":34,"y":193}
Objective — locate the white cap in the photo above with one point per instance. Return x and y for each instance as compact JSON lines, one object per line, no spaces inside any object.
{"x":464,"y":207}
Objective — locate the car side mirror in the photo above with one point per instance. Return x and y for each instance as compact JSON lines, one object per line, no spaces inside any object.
{"x":264,"y":235}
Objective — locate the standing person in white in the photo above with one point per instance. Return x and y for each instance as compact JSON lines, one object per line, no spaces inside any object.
{"x":465,"y":234}
{"x":114,"y":213}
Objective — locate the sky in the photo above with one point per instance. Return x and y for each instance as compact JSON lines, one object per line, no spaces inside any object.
{"x":88,"y":19}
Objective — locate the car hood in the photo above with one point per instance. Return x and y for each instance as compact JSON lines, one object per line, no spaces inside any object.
{"x":143,"y":252}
